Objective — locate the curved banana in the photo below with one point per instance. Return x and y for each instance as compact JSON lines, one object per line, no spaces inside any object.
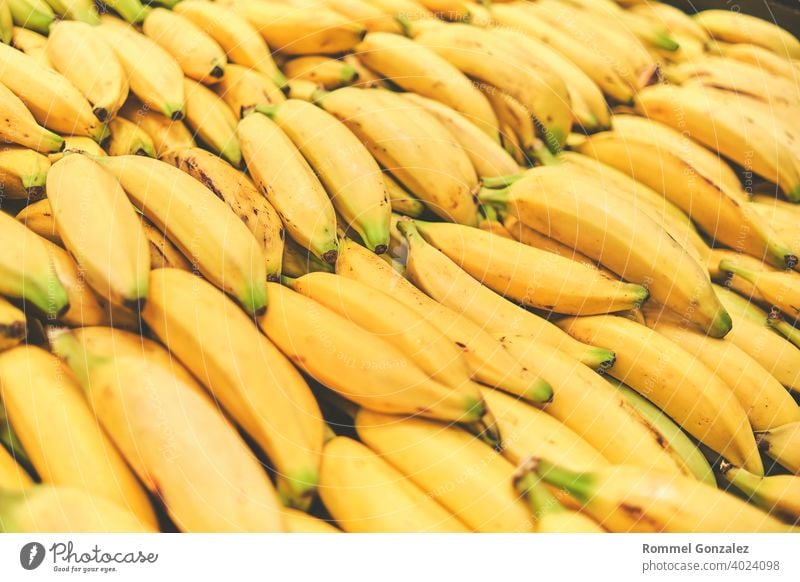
{"x":12,"y":325}
{"x":128,"y":138}
{"x":131,"y":10}
{"x":76,"y":10}
{"x":23,"y":173}
{"x":288,"y":182}
{"x":52,"y":509}
{"x":779,"y":288}
{"x":362,"y":12}
{"x":419,"y":69}
{"x":31,"y":43}
{"x":628,"y":499}
{"x":153,"y":74}
{"x":78,"y":144}
{"x":244,"y":89}
{"x":241,"y":196}
{"x":615,"y":232}
{"x":212,"y":121}
{"x":38,"y":217}
{"x":442,"y":461}
{"x":165,"y":133}
{"x":110,"y":249}
{"x":298,"y":261}
{"x":201,"y":225}
{"x":412,"y":144}
{"x":34,"y":15}
{"x":56,"y":426}
{"x":326,"y":72}
{"x":12,"y":476}
{"x":19,"y":126}
{"x":777,"y":494}
{"x":675,"y":20}
{"x":163,"y":254}
{"x":365,"y":494}
{"x":81,"y":56}
{"x":297,"y":521}
{"x":163,"y":454}
{"x":735,"y":27}
{"x":763,"y":58}
{"x":401,"y":200}
{"x":410,"y":9}
{"x":781,"y":444}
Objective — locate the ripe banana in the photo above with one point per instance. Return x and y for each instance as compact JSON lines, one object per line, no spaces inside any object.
{"x":212,"y":121}
{"x":402,"y":201}
{"x":131,"y":10}
{"x":297,"y":521}
{"x":296,"y":30}
{"x":78,"y":144}
{"x":781,"y":444}
{"x":487,"y":361}
{"x":31,"y":43}
{"x":287,"y":181}
{"x":50,"y":97}
{"x":557,"y":204}
{"x":365,"y":494}
{"x":241,"y":196}
{"x":76,"y":10}
{"x":326,"y":72}
{"x":128,"y":138}
{"x":38,"y":217}
{"x":518,"y":272}
{"x":163,"y":254}
{"x":778,"y":494}
{"x":763,"y":58}
{"x":12,"y":476}
{"x":165,"y":133}
{"x":454,"y":468}
{"x":365,"y":14}
{"x":418,"y":69}
{"x":367,"y":78}
{"x":410,"y":9}
{"x":412,"y":145}
{"x":111,"y":250}
{"x":153,"y":74}
{"x":26,"y":270}
{"x":735,"y":27}
{"x":51,"y":509}
{"x":87,"y":62}
{"x":780,"y":289}
{"x":363,"y":367}
{"x":243,"y":89}
{"x":242,"y":43}
{"x":675,"y":20}
{"x":206,"y":231}
{"x":628,"y":499}
{"x":297,"y":261}
{"x":163,"y":454}
{"x":683,"y":387}
{"x":23,"y":173}
{"x":57,"y":428}
{"x":18,"y":125}
{"x":12,"y":325}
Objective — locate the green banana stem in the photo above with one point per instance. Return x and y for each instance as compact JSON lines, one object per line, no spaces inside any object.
{"x":348,"y":74}
{"x":133,"y":11}
{"x":545,"y":157}
{"x":496,"y":198}
{"x":489,"y":212}
{"x":288,"y":281}
{"x":269,"y":110}
{"x":664,"y":41}
{"x":744,"y":481}
{"x":731,"y":267}
{"x":783,"y":327}
{"x":578,"y":485}
{"x":405,"y":24}
{"x":530,"y":486}
{"x":318,"y":97}
{"x":409,"y":230}
{"x":65,"y":345}
{"x":501,"y":181}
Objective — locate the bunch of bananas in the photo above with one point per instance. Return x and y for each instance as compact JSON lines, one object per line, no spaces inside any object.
{"x":397,"y":266}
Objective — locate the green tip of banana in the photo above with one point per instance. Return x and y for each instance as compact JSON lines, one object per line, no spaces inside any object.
{"x":269,"y":110}
{"x":540,"y":392}
{"x":500,"y":181}
{"x":254,"y":299}
{"x":721,"y":325}
{"x":578,"y":485}
{"x":348,"y":74}
{"x":794,"y":194}
{"x":666,"y":42}
{"x":599,"y":359}
{"x":299,"y":489}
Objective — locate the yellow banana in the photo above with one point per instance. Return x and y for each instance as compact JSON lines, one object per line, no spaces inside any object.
{"x":212,"y":121}
{"x":673,"y":19}
{"x":241,"y":196}
{"x":164,"y":454}
{"x":12,"y":476}
{"x":128,"y":138}
{"x":735,"y":27}
{"x":53,"y":420}
{"x":242,"y":43}
{"x":365,"y":14}
{"x":781,"y":444}
{"x":367,"y":78}
{"x":401,"y":200}
{"x":418,"y":69}
{"x":326,"y":72}
{"x":513,"y":116}
{"x":153,"y":75}
{"x":778,"y":494}
{"x":77,"y":10}
{"x":454,"y":468}
{"x":19,"y":126}
{"x":628,"y":499}
{"x":78,"y":144}
{"x":297,"y":521}
{"x":297,"y":261}
{"x":615,"y":232}
{"x":457,"y":10}
{"x":51,"y":509}
{"x":165,"y":133}
{"x":763,"y":58}
{"x":163,"y":254}
{"x":365,"y":494}
{"x":259,"y":388}
{"x":412,"y":145}
{"x":676,"y":382}
{"x":206,"y":231}
{"x":23,"y":173}
{"x":111,"y":250}
{"x":38,"y":217}
{"x":12,"y":325}
{"x":780,"y":289}
{"x":287,"y":181}
{"x":243,"y":89}
{"x":31,"y":43}
{"x":410,"y":9}
{"x":81,"y":56}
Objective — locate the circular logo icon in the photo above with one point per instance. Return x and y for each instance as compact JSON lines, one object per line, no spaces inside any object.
{"x":31,"y":555}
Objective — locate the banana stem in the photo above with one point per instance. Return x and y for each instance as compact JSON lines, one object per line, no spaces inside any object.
{"x":578,"y":485}
{"x":545,"y":157}
{"x":496,"y":198}
{"x":501,"y":181}
{"x":786,"y":329}
{"x":269,"y":110}
{"x":532,"y":488}
{"x":731,"y":267}
{"x":66,"y":346}
{"x":288,"y":281}
{"x":409,"y":230}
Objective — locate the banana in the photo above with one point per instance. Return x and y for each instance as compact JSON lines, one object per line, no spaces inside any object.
{"x":165,"y":133}
{"x":241,"y":42}
{"x":735,"y":27}
{"x":628,"y":499}
{"x":297,"y":261}
{"x":12,"y":476}
{"x":52,"y":509}
{"x":153,"y":74}
{"x":675,"y":20}
{"x":727,"y":127}
{"x":296,"y":30}
{"x":781,"y":444}
{"x":297,"y":521}
{"x":487,"y":155}
{"x":199,"y":55}
{"x":110,"y":250}
{"x":34,"y":15}
{"x":366,"y":78}
{"x":762,"y":58}
{"x":454,"y":468}
{"x":55,"y":424}
{"x":365,"y":494}
{"x":32,"y":44}
{"x":78,"y":144}
{"x":455,"y":10}
{"x":26,"y":270}
{"x":518,"y":272}
{"x":201,"y":225}
{"x":402,"y":201}
{"x":163,"y":454}
{"x":663,"y":160}
{"x":514,"y":116}
{"x":478,"y":53}
{"x":780,"y":289}
{"x":87,"y":62}
{"x":362,"y":12}
{"x":778,"y":494}
{"x":128,"y":138}
{"x":242,"y":198}
{"x":76,"y":10}
{"x":131,"y":10}
{"x":23,"y":173}
{"x":344,"y":166}
{"x":691,"y":456}
{"x":412,"y":145}
{"x":212,"y":121}
{"x":551,"y":516}
{"x":784,"y":224}
{"x":326,"y":72}
{"x":419,"y":69}
{"x":38,"y":217}
{"x":673,"y":379}
{"x":287,"y":181}
{"x":363,"y":367}
{"x":12,"y":325}
{"x":558,"y":205}
{"x":243,"y":89}
{"x":163,"y":254}
{"x":50,"y":97}
{"x":409,"y":9}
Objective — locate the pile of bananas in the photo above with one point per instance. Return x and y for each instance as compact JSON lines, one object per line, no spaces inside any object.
{"x":397,"y":266}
